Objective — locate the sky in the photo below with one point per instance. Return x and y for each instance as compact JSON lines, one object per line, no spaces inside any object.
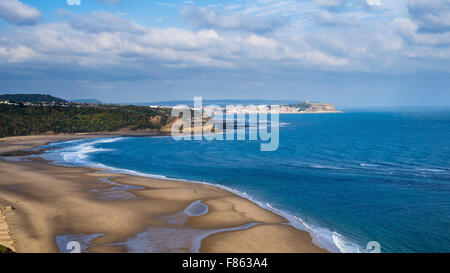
{"x":349,"y":53}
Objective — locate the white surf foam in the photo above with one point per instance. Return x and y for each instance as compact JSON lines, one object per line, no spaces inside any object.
{"x":368,"y":165}
{"x":79,"y":154}
{"x":325,"y":167}
{"x":431,"y":170}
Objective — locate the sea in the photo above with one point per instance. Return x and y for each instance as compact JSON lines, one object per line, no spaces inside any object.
{"x":354,"y":180}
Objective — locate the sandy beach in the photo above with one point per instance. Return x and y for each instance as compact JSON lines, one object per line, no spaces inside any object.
{"x":111,"y":212}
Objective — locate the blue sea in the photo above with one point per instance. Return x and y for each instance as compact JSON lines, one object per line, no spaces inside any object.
{"x":348,"y":179}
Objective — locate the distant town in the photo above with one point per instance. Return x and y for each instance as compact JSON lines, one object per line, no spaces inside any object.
{"x":301,"y":108}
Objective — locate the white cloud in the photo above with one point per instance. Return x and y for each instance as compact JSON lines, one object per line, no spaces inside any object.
{"x":20,"y":54}
{"x":18,"y":13}
{"x":207,"y":18}
{"x":328,"y":18}
{"x":101,"y":21}
{"x":103,"y":40}
{"x":85,"y":42}
{"x":373,"y":2}
{"x":409,"y":31}
{"x":329,"y":3}
{"x":430,"y":15}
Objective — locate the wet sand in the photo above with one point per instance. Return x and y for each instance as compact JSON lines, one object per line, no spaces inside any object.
{"x":110,"y":212}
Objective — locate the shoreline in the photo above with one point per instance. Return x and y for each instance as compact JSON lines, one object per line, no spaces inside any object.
{"x":227,"y":211}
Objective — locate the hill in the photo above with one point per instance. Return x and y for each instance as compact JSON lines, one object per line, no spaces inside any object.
{"x":301,"y":106}
{"x":31,"y":98}
{"x":16,"y":120}
{"x":312,"y":107}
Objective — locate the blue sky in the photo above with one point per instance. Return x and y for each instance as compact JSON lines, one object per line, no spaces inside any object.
{"x":350,"y":53}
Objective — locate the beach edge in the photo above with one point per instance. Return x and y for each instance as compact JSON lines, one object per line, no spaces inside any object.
{"x":218,"y":200}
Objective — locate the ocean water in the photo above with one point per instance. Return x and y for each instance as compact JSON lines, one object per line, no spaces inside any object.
{"x":348,"y":178}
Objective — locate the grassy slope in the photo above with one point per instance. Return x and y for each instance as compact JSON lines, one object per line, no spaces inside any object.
{"x":28,"y":120}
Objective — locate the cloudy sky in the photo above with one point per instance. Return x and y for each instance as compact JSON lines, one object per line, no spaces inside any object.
{"x":350,"y":53}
